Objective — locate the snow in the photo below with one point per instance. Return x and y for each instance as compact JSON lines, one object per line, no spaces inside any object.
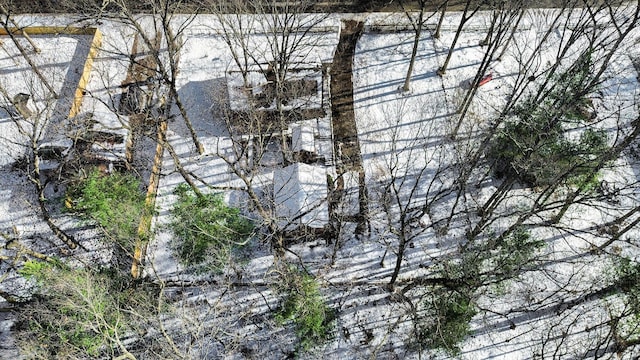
{"x":302,"y":137}
{"x":300,"y":193}
{"x":61,"y":62}
{"x":404,"y":140}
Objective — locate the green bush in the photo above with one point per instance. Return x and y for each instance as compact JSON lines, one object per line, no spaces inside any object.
{"x":304,"y":306}
{"x":510,"y":254}
{"x":34,"y":269}
{"x":73,"y":315}
{"x":493,"y":260}
{"x":449,"y":325}
{"x":207,"y":229}
{"x":624,"y":275}
{"x":534,"y":148}
{"x":539,"y":154}
{"x":114,"y":201}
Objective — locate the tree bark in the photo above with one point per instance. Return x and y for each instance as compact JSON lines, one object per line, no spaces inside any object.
{"x":443,"y":69}
{"x":417,"y":27}
{"x":436,"y":34}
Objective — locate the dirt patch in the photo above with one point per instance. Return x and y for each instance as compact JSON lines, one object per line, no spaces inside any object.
{"x":345,"y":132}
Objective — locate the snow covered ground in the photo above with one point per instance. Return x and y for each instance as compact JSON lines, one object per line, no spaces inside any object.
{"x":401,"y":135}
{"x":423,"y":118}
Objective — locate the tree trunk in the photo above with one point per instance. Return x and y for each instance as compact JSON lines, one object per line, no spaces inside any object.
{"x":511,"y":35}
{"x":443,"y":69}
{"x":402,"y":244}
{"x":35,"y":179}
{"x":414,"y":51}
{"x":436,"y":34}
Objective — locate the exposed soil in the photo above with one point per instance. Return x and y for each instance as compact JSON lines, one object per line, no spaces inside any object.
{"x":345,"y":132}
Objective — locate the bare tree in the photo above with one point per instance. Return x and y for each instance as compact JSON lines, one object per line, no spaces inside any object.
{"x":501,"y":21}
{"x":417,"y":28}
{"x":11,"y":31}
{"x":286,"y":43}
{"x":436,"y":34}
{"x":162,"y":34}
{"x":410,"y":183}
{"x":496,"y":223}
{"x":31,"y":127}
{"x":236,"y":27}
{"x":468,"y":12}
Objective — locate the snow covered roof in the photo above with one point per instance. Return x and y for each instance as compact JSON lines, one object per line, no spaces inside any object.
{"x":302,"y":137}
{"x":300,"y":194}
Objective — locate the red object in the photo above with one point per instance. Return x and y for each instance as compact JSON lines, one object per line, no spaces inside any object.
{"x":485,"y":79}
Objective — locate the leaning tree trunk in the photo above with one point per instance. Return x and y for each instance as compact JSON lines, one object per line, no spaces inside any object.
{"x":416,"y":41}
{"x":443,"y":69}
{"x":436,"y":34}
